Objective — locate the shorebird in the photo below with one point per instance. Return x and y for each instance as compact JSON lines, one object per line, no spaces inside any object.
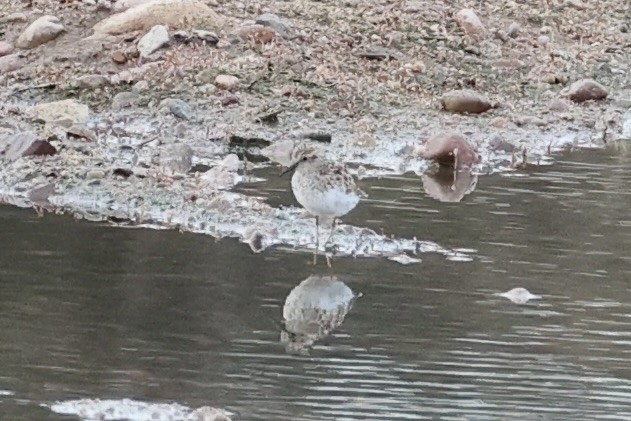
{"x":325,"y":189}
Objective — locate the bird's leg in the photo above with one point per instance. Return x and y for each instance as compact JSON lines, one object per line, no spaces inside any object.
{"x":331,"y":233}
{"x":317,"y":244}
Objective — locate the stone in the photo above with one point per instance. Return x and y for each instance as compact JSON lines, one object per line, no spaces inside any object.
{"x":6,"y":48}
{"x":64,"y":113}
{"x":259,"y":34}
{"x":10,"y":63}
{"x":153,"y":40}
{"x":17,"y":17}
{"x":227,"y":82}
{"x":42,"y":30}
{"x":626,"y":125}
{"x":140,"y":86}
{"x":465,"y":101}
{"x":177,"y":107}
{"x":92,"y":81}
{"x":499,"y":122}
{"x":176,"y":14}
{"x":450,"y":149}
{"x":207,"y":413}
{"x":279,"y":25}
{"x":125,"y":99}
{"x":513,"y":30}
{"x":470,"y":22}
{"x":22,"y":144}
{"x":519,"y":295}
{"x":119,"y":57}
{"x":585,"y":90}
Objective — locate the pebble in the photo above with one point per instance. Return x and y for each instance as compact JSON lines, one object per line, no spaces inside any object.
{"x":499,"y":122}
{"x":95,"y":175}
{"x":585,"y":90}
{"x":64,"y":113}
{"x":140,"y":86}
{"x":470,"y":22}
{"x":153,"y":40}
{"x":119,"y":57}
{"x":465,"y":101}
{"x":176,"y":157}
{"x":42,"y":30}
{"x":6,"y":48}
{"x":227,"y":82}
{"x":451,"y":149}
{"x":92,"y":81}
{"x":10,"y":63}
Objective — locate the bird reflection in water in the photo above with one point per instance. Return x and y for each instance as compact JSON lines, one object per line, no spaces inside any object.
{"x":313,"y":309}
{"x":448,"y":184}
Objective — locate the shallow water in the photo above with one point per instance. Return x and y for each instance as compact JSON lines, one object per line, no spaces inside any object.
{"x":89,"y":311}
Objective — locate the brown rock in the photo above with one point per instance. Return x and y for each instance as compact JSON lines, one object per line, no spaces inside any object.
{"x":585,"y":90}
{"x":450,"y":149}
{"x":119,"y":57}
{"x":6,"y":48}
{"x":24,"y":144}
{"x":465,"y":101}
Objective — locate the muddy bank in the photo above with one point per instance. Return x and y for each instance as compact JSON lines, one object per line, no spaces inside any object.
{"x":152,"y":120}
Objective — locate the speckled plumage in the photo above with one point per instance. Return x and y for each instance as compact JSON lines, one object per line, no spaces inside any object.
{"x":322,"y":187}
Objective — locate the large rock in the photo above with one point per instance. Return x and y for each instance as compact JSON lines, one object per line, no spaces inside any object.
{"x":465,"y":101}
{"x":39,"y":32}
{"x":153,"y":40}
{"x":65,"y":112}
{"x":585,"y":90}
{"x":176,"y":14}
{"x":451,"y":149}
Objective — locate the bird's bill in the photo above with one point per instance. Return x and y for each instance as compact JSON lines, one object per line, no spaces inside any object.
{"x":290,"y":169}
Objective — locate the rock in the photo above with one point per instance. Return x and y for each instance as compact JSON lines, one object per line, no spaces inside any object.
{"x":465,"y":101}
{"x":451,"y":149}
{"x":470,"y":22}
{"x":95,"y":175}
{"x":178,"y":108}
{"x":256,"y":33}
{"x":140,"y":86}
{"x":65,"y":112}
{"x":92,"y":81}
{"x":499,"y":122}
{"x":558,"y":105}
{"x":42,"y":30}
{"x":10,"y":63}
{"x":177,"y":157}
{"x":79,"y":130}
{"x":22,"y":144}
{"x":6,"y":48}
{"x":227,"y":82}
{"x":279,"y":25}
{"x":626,"y":125}
{"x":543,"y":40}
{"x":208,"y":36}
{"x":119,"y":57}
{"x":585,"y":90}
{"x":176,"y":14}
{"x":125,"y":99}
{"x":153,"y":40}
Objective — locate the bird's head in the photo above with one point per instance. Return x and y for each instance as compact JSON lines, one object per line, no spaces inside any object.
{"x":300,"y":155}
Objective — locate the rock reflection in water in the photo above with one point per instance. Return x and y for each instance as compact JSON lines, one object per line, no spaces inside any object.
{"x":449,"y":185}
{"x":313,"y":309}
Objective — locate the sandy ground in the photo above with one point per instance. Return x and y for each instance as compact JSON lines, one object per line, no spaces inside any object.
{"x":160,"y":139}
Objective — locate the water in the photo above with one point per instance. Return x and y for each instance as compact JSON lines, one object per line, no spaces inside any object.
{"x":90,"y":311}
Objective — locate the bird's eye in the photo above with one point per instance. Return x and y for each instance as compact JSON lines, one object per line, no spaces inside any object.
{"x":305,"y":158}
